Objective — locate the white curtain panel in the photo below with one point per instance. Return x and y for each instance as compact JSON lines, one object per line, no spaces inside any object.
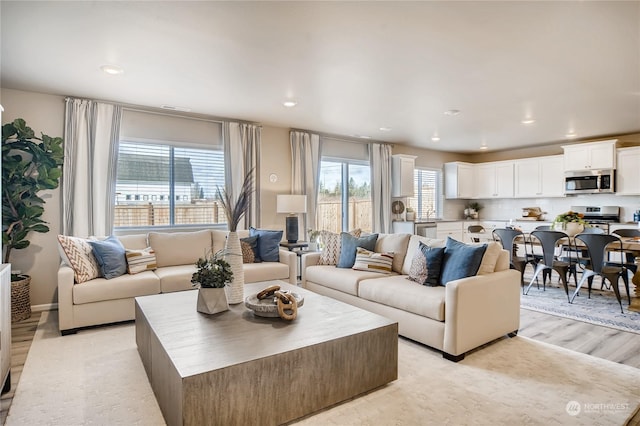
{"x":305,"y":174}
{"x":380,"y":163}
{"x":91,"y":135}
{"x":242,"y":152}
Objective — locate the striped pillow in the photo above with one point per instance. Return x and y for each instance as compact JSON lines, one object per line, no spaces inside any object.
{"x":140,"y":260}
{"x":373,"y":262}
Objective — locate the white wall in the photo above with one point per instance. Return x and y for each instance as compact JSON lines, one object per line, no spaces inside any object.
{"x":43,"y":113}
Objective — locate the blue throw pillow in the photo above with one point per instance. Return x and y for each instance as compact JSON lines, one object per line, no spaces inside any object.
{"x":434,"y":256}
{"x":109,"y":254}
{"x":268,"y":244}
{"x":348,"y":246}
{"x":460,"y":260}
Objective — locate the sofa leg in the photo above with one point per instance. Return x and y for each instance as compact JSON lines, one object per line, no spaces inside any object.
{"x":513,"y":333}
{"x":69,"y":331}
{"x":454,"y":358}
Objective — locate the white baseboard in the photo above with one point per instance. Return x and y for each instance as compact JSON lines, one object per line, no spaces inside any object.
{"x":45,"y":307}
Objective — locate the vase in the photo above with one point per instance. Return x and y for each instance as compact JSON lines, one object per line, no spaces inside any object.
{"x":570,"y":228}
{"x":233,"y":256}
{"x":212,"y":300}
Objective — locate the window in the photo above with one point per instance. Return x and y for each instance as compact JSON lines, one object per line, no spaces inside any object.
{"x":427,"y":201}
{"x":344,"y":195}
{"x":166,"y":185}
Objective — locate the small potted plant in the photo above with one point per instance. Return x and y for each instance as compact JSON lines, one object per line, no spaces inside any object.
{"x":212,"y":276}
{"x":571,"y":223}
{"x":314,"y":239}
{"x":472,"y":210}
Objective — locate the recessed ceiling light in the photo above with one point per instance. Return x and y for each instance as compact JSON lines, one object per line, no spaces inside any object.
{"x":571,"y":135}
{"x":290,"y":103}
{"x":361,"y":136}
{"x":112,"y":69}
{"x":528,"y":121}
{"x":452,"y":112}
{"x":435,"y":138}
{"x":385,"y":129}
{"x":483,"y":147}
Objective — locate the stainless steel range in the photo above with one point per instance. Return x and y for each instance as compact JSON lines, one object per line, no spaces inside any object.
{"x":599,"y":216}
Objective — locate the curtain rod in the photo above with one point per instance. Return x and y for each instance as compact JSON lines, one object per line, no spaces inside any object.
{"x":342,"y":138}
{"x":160,"y":111}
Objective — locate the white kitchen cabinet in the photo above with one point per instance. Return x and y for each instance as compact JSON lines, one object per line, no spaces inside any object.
{"x":450,"y":229}
{"x":551,"y":176}
{"x":628,"y":173}
{"x":459,"y":180}
{"x":539,"y":177}
{"x":494,"y":180}
{"x":402,"y":167}
{"x":403,"y":227}
{"x":590,"y":156}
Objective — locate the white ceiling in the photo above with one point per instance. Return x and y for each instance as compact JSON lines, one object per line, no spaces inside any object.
{"x":353,"y":67}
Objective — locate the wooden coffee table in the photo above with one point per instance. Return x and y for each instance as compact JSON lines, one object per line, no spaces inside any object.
{"x":237,"y":368}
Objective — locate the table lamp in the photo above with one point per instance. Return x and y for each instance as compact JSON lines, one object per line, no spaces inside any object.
{"x":292,"y":204}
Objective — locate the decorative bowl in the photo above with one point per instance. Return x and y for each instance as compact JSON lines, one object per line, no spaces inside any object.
{"x":267,"y":307}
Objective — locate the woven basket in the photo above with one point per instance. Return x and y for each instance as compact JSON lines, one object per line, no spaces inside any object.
{"x":20,"y":300}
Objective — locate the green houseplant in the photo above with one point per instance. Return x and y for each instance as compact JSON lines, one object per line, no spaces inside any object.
{"x":213,"y":272}
{"x":30,"y":164}
{"x":212,"y":276}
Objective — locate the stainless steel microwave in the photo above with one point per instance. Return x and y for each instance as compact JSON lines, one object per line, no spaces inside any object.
{"x":589,"y":182}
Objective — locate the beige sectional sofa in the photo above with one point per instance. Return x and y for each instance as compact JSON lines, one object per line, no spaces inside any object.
{"x":102,"y":301}
{"x":454,"y":319}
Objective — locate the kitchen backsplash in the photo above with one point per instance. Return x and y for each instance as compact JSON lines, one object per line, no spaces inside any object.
{"x":512,"y":208}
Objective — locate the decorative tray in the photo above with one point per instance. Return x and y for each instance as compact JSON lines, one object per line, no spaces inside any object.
{"x":267,"y":307}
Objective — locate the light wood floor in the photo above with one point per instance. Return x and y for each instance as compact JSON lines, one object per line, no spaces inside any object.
{"x":602,"y":342}
{"x":21,"y":337}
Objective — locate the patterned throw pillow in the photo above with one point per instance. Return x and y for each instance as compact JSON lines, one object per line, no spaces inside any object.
{"x":373,"y":262}
{"x":418,"y":269}
{"x":331,"y":251}
{"x":141,"y":260}
{"x":426,"y":265}
{"x":78,"y":254}
{"x":248,"y":246}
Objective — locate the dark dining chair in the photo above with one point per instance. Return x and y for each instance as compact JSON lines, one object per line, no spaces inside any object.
{"x":629,"y":257}
{"x":507,"y":237}
{"x":581,"y":255}
{"x":599,"y":266}
{"x":550,"y":240}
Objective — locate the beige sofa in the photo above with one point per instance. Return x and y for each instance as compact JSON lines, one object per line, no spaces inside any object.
{"x":454,"y":319}
{"x":102,"y":301}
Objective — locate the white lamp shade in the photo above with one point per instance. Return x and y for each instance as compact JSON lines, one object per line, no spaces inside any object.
{"x":287,"y":203}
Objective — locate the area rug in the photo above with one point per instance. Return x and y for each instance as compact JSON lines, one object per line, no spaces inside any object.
{"x":96,"y":377}
{"x":601,"y":309}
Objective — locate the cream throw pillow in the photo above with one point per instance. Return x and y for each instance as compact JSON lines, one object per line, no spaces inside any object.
{"x":78,"y":254}
{"x":332,"y":245}
{"x":490,"y":258}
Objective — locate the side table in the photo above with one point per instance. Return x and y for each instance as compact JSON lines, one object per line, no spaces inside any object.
{"x":299,"y":248}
